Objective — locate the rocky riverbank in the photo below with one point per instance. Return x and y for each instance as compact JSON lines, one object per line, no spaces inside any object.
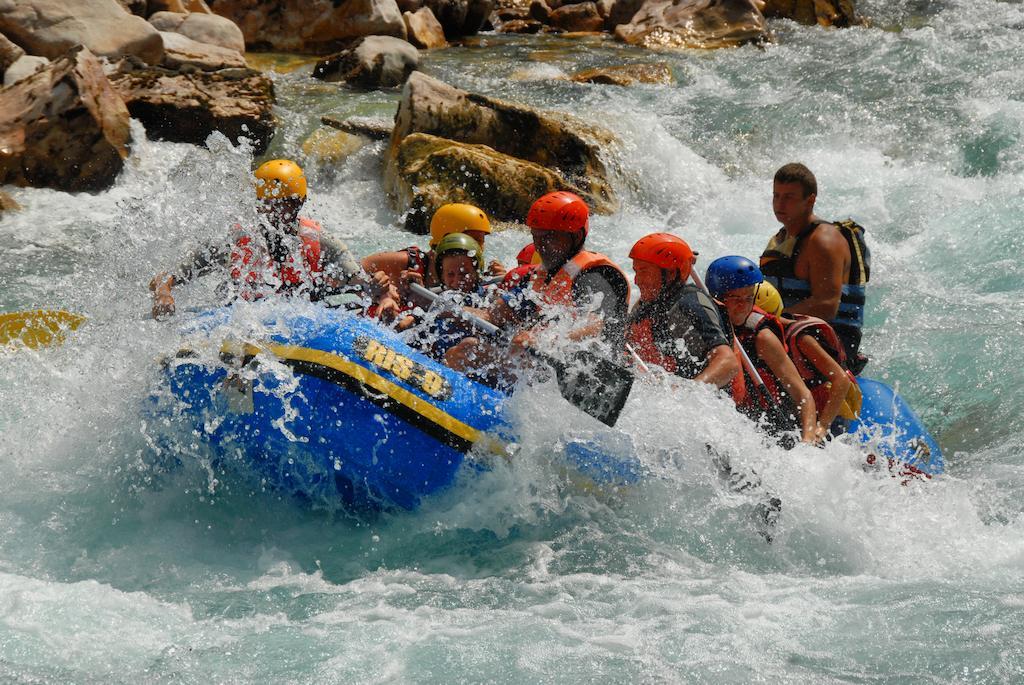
{"x":75,"y":71}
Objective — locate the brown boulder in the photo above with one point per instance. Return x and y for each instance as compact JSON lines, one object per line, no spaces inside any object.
{"x":370,"y":62}
{"x":179,"y":6}
{"x":577,"y":18}
{"x":63,"y":127}
{"x":840,"y":13}
{"x":627,"y":75}
{"x":202,"y":28}
{"x":136,"y":7}
{"x":424,"y":29}
{"x":25,"y":66}
{"x":621,"y":12}
{"x":520,"y":26}
{"x":434,"y":171}
{"x":181,"y":51}
{"x":186,"y":107}
{"x":695,"y":24}
{"x":460,"y":17}
{"x":317,"y":27}
{"x":550,"y":139}
{"x":52,"y":27}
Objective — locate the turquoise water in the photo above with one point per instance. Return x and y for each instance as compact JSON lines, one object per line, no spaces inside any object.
{"x":111,"y":571}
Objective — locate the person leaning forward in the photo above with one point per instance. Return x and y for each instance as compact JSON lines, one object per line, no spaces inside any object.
{"x":285,"y":254}
{"x":821,"y":269}
{"x":676,"y":325}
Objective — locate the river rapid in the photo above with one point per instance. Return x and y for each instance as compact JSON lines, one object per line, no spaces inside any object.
{"x":111,"y":571}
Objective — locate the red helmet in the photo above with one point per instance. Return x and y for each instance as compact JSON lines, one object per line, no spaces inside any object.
{"x":666,"y":251}
{"x":559,"y":211}
{"x":528,"y":255}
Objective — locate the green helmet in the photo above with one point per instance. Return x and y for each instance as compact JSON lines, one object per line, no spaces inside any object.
{"x":458,"y":242}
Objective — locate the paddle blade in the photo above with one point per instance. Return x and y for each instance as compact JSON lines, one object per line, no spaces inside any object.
{"x":37,"y":328}
{"x":595,"y":385}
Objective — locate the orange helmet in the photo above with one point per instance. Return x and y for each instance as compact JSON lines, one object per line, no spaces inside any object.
{"x":666,"y":251}
{"x":559,"y":211}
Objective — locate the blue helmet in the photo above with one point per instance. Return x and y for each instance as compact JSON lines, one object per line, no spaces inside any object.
{"x":730,"y":273}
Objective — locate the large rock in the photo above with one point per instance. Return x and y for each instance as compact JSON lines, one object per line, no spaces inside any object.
{"x":627,"y":75}
{"x":317,"y":27}
{"x":63,"y":127}
{"x":203,"y":28}
{"x":554,"y":140}
{"x":186,"y":107}
{"x":434,"y":171}
{"x":374,"y":128}
{"x":580,"y":17}
{"x":52,"y":27}
{"x":26,"y":66}
{"x":695,"y":24}
{"x":621,"y":12}
{"x":823,"y":12}
{"x":136,"y":7}
{"x":370,"y":62}
{"x":181,"y":51}
{"x":8,"y":203}
{"x":423,"y":29}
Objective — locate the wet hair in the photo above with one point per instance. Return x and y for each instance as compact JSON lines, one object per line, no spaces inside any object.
{"x":795,"y":172}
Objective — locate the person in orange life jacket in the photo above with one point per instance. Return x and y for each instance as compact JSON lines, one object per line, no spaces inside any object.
{"x":286,"y":254}
{"x":527,"y":261}
{"x":821,"y":269}
{"x":413,"y":264}
{"x":676,"y":325}
{"x":734,"y":281}
{"x":817,"y":354}
{"x":587,"y":286}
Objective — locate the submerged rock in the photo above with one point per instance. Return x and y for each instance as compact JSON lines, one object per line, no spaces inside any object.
{"x":202,"y":28}
{"x":434,"y":171}
{"x":627,"y":75}
{"x":695,"y":24}
{"x":186,"y":107}
{"x":553,"y":140}
{"x":424,"y":29}
{"x":840,"y":13}
{"x":370,"y":62}
{"x":328,"y":146}
{"x":52,"y":27}
{"x":374,"y":128}
{"x":8,"y":203}
{"x":64,"y":127}
{"x":316,"y":27}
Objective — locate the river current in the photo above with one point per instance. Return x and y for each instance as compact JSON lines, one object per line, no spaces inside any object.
{"x":111,"y":572}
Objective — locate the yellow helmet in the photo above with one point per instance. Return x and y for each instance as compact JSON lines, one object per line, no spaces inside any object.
{"x":280,"y":178}
{"x":457,"y":218}
{"x":768,"y":298}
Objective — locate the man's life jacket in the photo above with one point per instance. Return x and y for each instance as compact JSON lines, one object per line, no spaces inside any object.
{"x":778,"y":262}
{"x":556,"y":289}
{"x":256,"y":271}
{"x":655,"y":344}
{"x":517,"y":277}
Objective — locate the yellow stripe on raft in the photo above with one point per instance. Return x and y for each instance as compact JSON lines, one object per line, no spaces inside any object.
{"x":37,"y":328}
{"x":373,"y":380}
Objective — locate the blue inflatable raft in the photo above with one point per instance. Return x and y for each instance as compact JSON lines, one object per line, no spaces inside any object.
{"x":330,"y":406}
{"x":889,"y":428}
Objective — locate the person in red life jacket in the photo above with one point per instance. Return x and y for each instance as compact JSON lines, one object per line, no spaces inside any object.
{"x":570,"y":281}
{"x":413,"y":264}
{"x":734,"y":281}
{"x":676,"y":325}
{"x":285,"y":254}
{"x":820,"y":269}
{"x":527,"y":261}
{"x":818,"y":355}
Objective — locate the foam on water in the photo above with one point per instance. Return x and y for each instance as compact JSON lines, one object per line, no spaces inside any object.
{"x":112,"y":569}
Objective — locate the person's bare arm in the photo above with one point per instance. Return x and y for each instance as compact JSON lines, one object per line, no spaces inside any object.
{"x":391,"y":263}
{"x":828,"y":259}
{"x":770,"y":349}
{"x":721,"y":369}
{"x":839,"y":381}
